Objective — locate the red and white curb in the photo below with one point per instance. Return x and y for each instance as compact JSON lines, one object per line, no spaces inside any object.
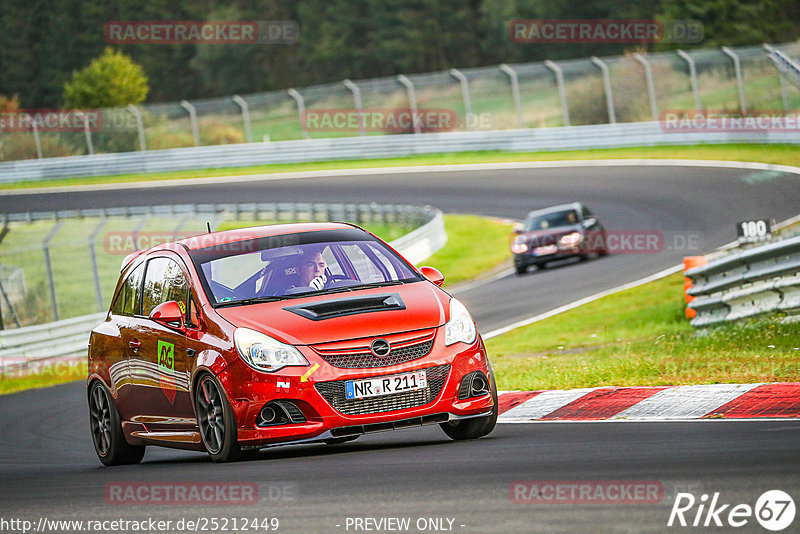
{"x":656,"y":403}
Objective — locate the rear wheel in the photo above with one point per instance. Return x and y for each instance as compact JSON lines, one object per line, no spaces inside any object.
{"x":216,"y":421}
{"x":104,"y":420}
{"x":475,"y":427}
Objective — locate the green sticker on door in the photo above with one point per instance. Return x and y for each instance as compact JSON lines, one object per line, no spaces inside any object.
{"x":166,"y":369}
{"x":166,"y":355}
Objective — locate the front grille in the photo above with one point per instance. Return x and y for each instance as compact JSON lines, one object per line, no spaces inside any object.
{"x":334,"y":393}
{"x":395,"y":357}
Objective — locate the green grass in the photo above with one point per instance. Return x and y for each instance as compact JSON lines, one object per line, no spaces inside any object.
{"x":474,"y":245}
{"x":44,"y":375}
{"x":640,"y":337}
{"x":780,"y":154}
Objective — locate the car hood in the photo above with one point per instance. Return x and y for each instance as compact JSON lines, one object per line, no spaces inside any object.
{"x":347,"y":315}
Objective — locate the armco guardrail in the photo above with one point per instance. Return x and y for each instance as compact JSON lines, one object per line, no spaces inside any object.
{"x":69,"y":337}
{"x":384,"y":146}
{"x":747,"y":283}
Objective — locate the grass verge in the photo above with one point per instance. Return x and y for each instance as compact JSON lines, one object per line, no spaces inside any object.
{"x":43,"y":375}
{"x":639,"y":337}
{"x":474,"y":246}
{"x":779,"y":154}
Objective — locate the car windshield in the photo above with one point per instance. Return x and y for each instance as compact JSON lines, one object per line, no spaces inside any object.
{"x":551,"y":220}
{"x":281,"y":267}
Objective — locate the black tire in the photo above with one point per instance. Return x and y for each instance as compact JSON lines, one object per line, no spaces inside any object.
{"x":541,"y":266}
{"x":476,"y":427}
{"x":337,"y":441}
{"x":521,"y":269}
{"x":106,"y":427}
{"x":215,"y":420}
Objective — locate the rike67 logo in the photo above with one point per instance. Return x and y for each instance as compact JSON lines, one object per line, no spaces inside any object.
{"x":774,"y":510}
{"x":166,"y":370}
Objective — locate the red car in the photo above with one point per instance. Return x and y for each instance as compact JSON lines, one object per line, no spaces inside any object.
{"x":234,"y":341}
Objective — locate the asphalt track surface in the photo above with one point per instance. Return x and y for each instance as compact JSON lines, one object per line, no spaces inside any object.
{"x":48,"y":467}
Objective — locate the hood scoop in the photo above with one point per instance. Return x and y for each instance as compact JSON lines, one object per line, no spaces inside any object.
{"x":328,"y":309}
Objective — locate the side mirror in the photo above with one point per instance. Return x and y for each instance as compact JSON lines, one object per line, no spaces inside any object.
{"x":517,"y":228}
{"x":433,"y":275}
{"x":167,"y":313}
{"x":591,"y":221}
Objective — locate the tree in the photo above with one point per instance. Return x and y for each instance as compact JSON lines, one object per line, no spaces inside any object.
{"x":110,"y":80}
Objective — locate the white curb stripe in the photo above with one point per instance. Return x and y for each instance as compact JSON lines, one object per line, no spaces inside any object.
{"x":685,"y":401}
{"x":544,"y":403}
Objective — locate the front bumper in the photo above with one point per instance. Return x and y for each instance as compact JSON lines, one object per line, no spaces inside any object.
{"x":307,"y":387}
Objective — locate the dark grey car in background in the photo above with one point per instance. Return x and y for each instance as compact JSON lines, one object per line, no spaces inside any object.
{"x":555,"y":233}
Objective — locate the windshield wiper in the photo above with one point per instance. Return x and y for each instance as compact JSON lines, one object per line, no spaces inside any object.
{"x":254,"y":300}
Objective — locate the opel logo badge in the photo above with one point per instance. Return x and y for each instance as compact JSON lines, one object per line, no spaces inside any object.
{"x":380,"y":348}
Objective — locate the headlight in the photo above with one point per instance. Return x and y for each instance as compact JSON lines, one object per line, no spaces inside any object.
{"x":519,"y":246}
{"x":460,"y":327}
{"x":264,"y":353}
{"x":570,"y":239}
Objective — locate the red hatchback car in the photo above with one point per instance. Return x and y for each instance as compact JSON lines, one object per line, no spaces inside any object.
{"x":234,"y":341}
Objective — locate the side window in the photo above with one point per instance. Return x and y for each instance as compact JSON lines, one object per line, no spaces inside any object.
{"x":164,"y":281}
{"x":127,"y":302}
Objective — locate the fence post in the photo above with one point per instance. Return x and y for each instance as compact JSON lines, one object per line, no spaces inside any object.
{"x":739,"y":82}
{"x":651,"y":90}
{"x":612,"y":116}
{"x":458,"y":75}
{"x":139,"y":125}
{"x":98,"y":291}
{"x":412,"y":100}
{"x":562,"y":92}
{"x":514,"y":92}
{"x":357,"y":101}
{"x":248,"y":133}
{"x":193,"y":117}
{"x":36,"y":139}
{"x":692,"y":77}
{"x":49,"y":266}
{"x":301,"y":109}
{"x":784,"y":95}
{"x":86,"y":133}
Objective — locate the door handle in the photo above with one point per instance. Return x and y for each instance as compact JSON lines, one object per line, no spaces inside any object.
{"x":135,"y":345}
{"x":191,"y":352}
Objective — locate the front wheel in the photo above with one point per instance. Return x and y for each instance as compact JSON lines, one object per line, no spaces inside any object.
{"x":216,"y":421}
{"x":475,"y":427}
{"x":106,"y":426}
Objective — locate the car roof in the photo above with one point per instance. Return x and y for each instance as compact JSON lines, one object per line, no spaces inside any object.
{"x":561,"y":207}
{"x":241,"y":234}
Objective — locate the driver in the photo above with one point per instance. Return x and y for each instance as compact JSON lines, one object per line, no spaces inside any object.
{"x":311,"y":270}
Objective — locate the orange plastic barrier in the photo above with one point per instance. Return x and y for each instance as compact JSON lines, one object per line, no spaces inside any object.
{"x":690,"y":262}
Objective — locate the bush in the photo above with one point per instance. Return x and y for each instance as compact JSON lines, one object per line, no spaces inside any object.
{"x":111,"y":80}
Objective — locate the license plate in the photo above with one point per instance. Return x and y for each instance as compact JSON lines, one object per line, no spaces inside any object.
{"x":385,"y":385}
{"x":543,"y":251}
